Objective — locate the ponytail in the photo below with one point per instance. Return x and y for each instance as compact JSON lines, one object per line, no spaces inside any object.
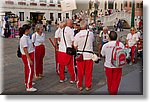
{"x":21,"y":32}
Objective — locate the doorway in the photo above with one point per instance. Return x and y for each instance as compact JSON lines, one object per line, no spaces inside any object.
{"x":34,"y":16}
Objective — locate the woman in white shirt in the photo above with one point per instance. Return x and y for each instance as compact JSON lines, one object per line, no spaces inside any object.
{"x":27,"y":52}
{"x":38,"y":39}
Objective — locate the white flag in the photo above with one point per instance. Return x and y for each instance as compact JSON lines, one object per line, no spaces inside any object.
{"x":68,"y":5}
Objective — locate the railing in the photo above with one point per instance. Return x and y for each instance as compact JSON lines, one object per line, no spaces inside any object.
{"x":31,"y":5}
{"x":109,"y":20}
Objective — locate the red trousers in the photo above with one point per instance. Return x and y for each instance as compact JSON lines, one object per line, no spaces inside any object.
{"x":84,"y":68}
{"x":28,"y":69}
{"x":57,"y":64}
{"x":113,"y":79}
{"x":133,"y":48}
{"x":66,"y":60}
{"x":39,"y":56}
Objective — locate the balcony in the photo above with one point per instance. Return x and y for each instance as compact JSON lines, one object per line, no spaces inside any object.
{"x":33,"y":4}
{"x":9,"y":2}
{"x":21,"y":3}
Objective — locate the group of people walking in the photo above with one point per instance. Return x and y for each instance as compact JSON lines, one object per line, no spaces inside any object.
{"x":81,"y":39}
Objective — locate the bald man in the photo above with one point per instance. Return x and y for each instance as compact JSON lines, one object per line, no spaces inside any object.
{"x":66,"y":36}
{"x":70,"y":23}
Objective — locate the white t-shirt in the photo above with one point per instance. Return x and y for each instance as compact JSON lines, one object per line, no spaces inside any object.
{"x":69,"y":37}
{"x":58,"y":33}
{"x":132,"y":39}
{"x":105,"y":37}
{"x":25,"y":41}
{"x":79,"y":41}
{"x":139,"y":34}
{"x":44,"y":22}
{"x":38,"y":39}
{"x":107,"y":52}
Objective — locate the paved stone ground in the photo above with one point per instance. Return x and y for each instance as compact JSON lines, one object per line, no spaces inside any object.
{"x":13,"y":72}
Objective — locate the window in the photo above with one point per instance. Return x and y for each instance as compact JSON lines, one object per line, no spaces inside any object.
{"x":141,"y":4}
{"x":58,"y":1}
{"x":138,"y":5}
{"x":115,"y":5}
{"x":32,"y":0}
{"x":59,"y":16}
{"x":110,"y":4}
{"x":125,"y":4}
{"x":51,"y":17}
{"x":105,"y":5}
{"x":67,"y":15}
{"x":42,"y":1}
{"x":121,"y":6}
{"x":130,"y":4}
{"x":51,"y":1}
{"x":21,"y":15}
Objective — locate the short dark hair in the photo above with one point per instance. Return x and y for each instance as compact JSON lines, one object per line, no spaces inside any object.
{"x":113,"y":36}
{"x":23,"y":29}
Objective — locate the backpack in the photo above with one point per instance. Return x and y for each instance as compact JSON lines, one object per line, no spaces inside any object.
{"x":118,"y":56}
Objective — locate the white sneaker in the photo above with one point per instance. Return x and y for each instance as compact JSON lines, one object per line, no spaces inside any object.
{"x":130,"y":63}
{"x":61,"y":81}
{"x":32,"y":83}
{"x":32,"y":89}
{"x":72,"y":82}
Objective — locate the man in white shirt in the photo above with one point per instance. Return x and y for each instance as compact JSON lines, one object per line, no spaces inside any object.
{"x":64,"y":59}
{"x":56,"y":42}
{"x":103,"y":38}
{"x":85,"y":67}
{"x":131,"y":41}
{"x":113,"y":74}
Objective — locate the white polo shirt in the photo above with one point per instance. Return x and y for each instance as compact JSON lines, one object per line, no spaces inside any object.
{"x":79,"y":41}
{"x":58,"y":32}
{"x":69,"y":37}
{"x":25,"y":41}
{"x":38,"y":39}
{"x":105,"y":37}
{"x":107,"y":52}
{"x":132,"y":39}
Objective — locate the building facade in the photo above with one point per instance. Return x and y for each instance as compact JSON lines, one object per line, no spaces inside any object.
{"x":35,"y":10}
{"x":138,"y":7}
{"x":117,"y":5}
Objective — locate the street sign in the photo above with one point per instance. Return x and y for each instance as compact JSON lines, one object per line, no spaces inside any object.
{"x":68,"y":5}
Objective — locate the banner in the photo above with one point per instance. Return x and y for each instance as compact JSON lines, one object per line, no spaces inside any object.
{"x":68,"y":5}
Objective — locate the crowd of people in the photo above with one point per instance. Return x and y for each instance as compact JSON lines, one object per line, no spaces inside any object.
{"x":74,"y":36}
